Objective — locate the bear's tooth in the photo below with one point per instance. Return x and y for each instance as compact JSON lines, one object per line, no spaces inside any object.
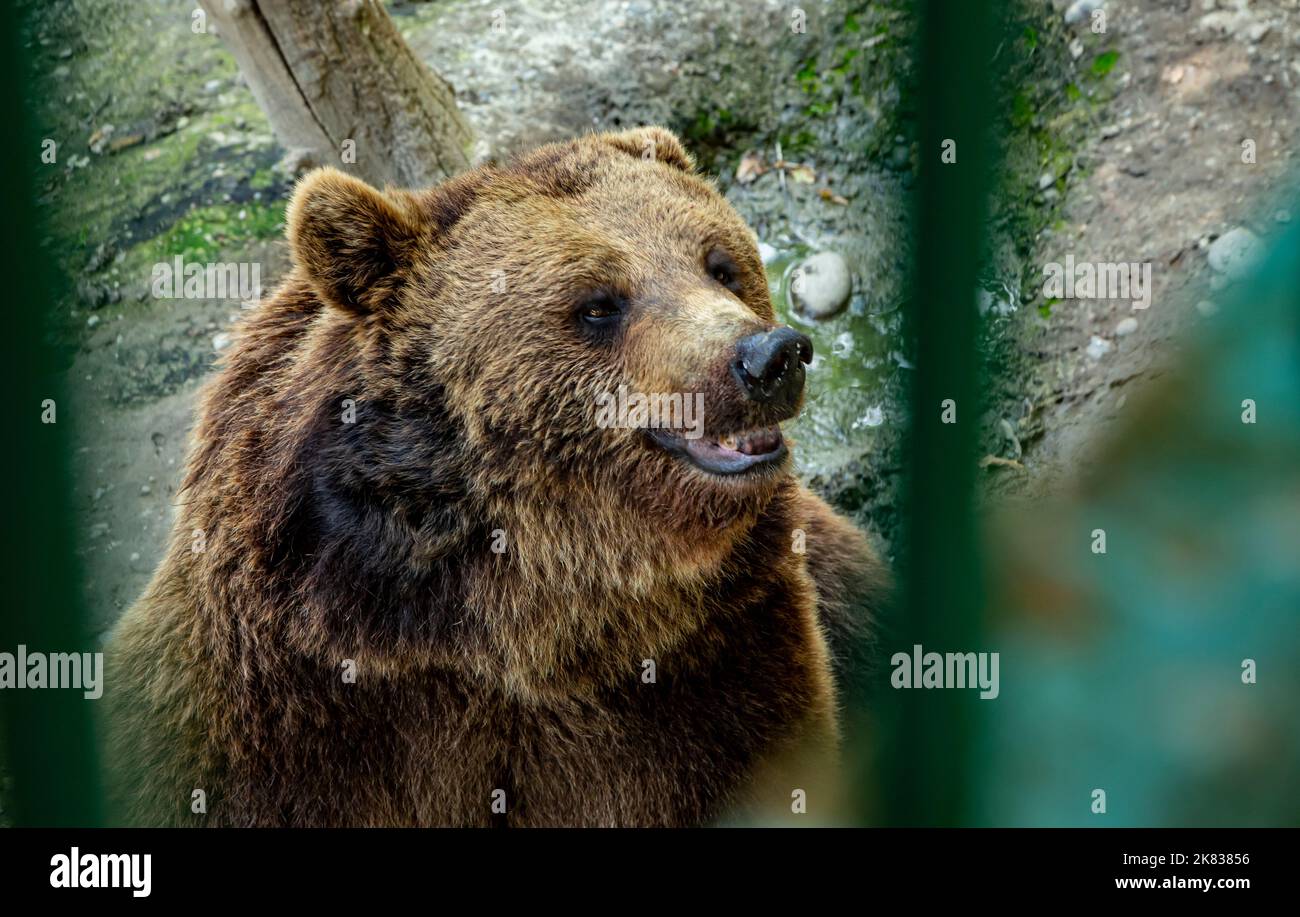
{"x":728,"y":442}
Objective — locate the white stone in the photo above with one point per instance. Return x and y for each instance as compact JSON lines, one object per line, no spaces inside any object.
{"x":1081,"y":9}
{"x":1098,"y":347}
{"x":821,"y":285}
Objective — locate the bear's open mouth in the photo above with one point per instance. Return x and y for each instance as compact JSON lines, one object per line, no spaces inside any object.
{"x":735,"y":453}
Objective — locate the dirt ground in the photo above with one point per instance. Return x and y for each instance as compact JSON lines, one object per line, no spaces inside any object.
{"x":1159,"y":179}
{"x":1141,"y":158}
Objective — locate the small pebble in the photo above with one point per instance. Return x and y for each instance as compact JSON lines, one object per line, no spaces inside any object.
{"x":1098,"y":347}
{"x":1081,"y":9}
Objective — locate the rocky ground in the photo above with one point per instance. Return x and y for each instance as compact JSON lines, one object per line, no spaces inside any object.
{"x":1188,"y":167}
{"x":1123,"y":145}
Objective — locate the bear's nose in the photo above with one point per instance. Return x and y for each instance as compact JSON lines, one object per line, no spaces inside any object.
{"x":769,"y":365}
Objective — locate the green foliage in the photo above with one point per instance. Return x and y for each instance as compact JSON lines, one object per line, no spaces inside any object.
{"x":203,"y":233}
{"x":1104,"y":63}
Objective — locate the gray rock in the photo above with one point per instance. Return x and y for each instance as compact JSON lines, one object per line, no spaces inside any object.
{"x":92,"y":295}
{"x":1082,"y":9}
{"x":1235,"y":252}
{"x":1256,"y":31}
{"x":821,"y":285}
{"x":104,"y":253}
{"x":1098,"y":347}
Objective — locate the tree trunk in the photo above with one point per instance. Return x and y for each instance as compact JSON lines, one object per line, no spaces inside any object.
{"x":342,"y":88}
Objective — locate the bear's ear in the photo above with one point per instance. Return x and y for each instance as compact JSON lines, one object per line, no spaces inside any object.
{"x":652,"y":143}
{"x":349,"y":238}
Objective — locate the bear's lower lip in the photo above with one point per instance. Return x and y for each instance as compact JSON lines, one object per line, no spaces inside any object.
{"x":727,"y":455}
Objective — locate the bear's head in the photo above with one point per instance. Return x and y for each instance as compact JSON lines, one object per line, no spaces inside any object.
{"x":596,"y":321}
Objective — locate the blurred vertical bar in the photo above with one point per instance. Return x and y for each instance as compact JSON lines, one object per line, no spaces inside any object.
{"x":48,"y":746}
{"x":928,"y":737}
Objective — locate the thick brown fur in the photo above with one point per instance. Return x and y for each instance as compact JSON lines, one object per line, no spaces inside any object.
{"x":309,"y":547}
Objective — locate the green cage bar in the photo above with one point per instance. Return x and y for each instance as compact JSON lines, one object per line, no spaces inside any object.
{"x":49,"y":748}
{"x":927,"y":749}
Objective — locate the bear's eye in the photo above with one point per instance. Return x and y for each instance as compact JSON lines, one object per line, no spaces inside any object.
{"x":599,"y":310}
{"x":723,"y":270}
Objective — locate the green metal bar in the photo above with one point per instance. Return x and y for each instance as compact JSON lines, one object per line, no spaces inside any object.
{"x":928,"y":739}
{"x":48,"y":744}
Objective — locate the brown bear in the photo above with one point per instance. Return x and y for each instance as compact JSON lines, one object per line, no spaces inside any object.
{"x":414,"y":581}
